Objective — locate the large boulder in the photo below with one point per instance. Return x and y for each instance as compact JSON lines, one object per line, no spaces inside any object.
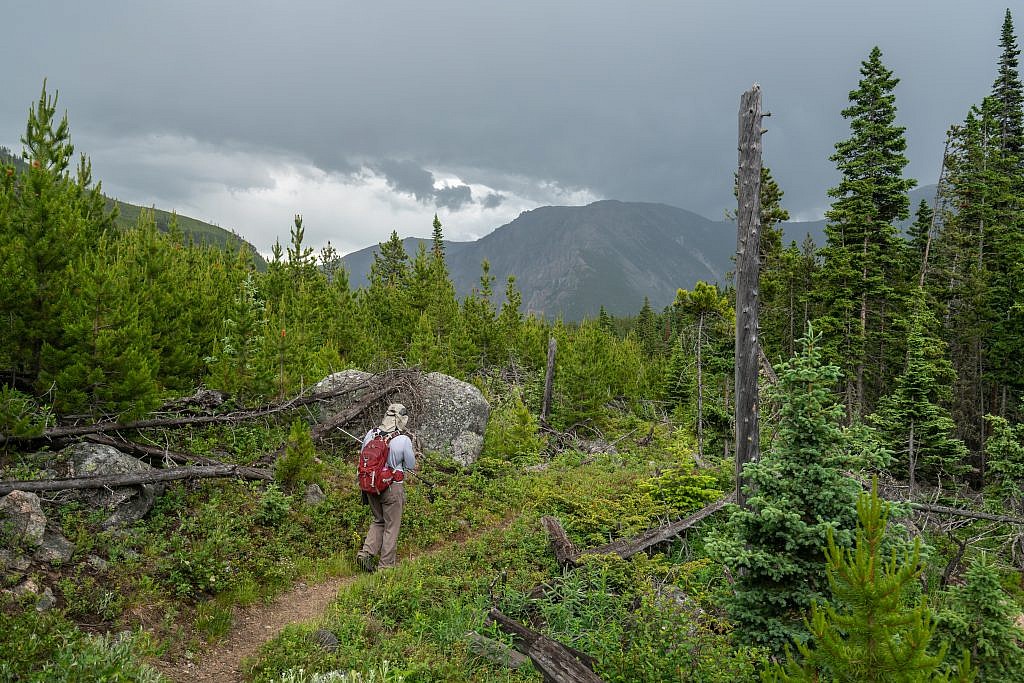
{"x":126,"y":504}
{"x":446,"y":415}
{"x":21,"y":519}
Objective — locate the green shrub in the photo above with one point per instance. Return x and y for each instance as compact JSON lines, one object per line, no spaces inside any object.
{"x":297,"y":467}
{"x":20,"y":415}
{"x":513,"y":432}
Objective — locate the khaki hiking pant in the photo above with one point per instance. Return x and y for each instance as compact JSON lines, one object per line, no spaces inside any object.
{"x":382,"y":538}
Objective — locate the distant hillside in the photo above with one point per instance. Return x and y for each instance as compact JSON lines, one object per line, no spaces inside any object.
{"x":571,"y":260}
{"x":798,"y":230}
{"x":128,"y":214}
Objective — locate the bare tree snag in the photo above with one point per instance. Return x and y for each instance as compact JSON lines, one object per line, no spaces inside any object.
{"x":558,"y":663}
{"x":627,"y":547}
{"x":136,"y":478}
{"x":549,"y":379}
{"x":565,"y":552}
{"x":748,"y":237}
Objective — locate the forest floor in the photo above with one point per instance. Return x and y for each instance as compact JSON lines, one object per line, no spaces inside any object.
{"x":252,"y":627}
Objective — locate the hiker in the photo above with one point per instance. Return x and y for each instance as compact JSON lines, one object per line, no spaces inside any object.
{"x":386,"y":505}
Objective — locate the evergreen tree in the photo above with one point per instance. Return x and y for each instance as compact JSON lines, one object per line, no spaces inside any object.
{"x":773,"y":302}
{"x":605,"y":321}
{"x":859,"y":285}
{"x":869,"y":633}
{"x":1009,"y":92}
{"x":438,"y":240}
{"x":1004,"y":448}
{"x":980,"y":618}
{"x":798,"y":493}
{"x":646,"y":328}
{"x":912,"y":420}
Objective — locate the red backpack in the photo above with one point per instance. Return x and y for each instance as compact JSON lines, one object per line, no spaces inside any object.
{"x":373,"y":471}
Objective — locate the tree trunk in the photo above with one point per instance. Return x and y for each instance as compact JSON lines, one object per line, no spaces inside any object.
{"x":748,"y":228}
{"x":549,"y":380}
{"x":558,"y":663}
{"x":700,"y":391}
{"x":136,"y":478}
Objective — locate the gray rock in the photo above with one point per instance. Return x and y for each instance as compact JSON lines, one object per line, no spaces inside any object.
{"x":97,"y":563}
{"x":22,"y":518}
{"x":54,"y":549}
{"x":26,"y":587}
{"x":314,"y":495}
{"x":46,"y":601}
{"x":12,"y":561}
{"x":446,"y":415}
{"x":325,"y":639}
{"x":127,"y":504}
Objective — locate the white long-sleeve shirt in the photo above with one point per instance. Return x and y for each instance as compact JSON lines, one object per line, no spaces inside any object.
{"x":401,"y":456}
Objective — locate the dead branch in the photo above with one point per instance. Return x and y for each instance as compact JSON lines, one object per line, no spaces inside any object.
{"x":495,"y":651}
{"x":136,"y":478}
{"x":943,"y":510}
{"x":559,"y":663}
{"x":627,"y":547}
{"x":138,"y":450}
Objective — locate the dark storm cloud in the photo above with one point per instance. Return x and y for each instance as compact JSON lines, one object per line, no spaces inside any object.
{"x":453,"y":198}
{"x":492,"y":201}
{"x":408,"y":177}
{"x":633,"y":101}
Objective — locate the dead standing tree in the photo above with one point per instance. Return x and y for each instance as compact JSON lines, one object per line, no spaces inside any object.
{"x":748,"y":238}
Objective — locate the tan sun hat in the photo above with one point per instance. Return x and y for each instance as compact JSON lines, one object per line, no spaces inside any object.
{"x":395,"y":418}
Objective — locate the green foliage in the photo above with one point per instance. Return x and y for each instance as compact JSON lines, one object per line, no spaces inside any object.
{"x":297,"y":467}
{"x":274,"y":507}
{"x":1005,"y":451}
{"x":858,"y":285}
{"x":380,"y":674}
{"x":21,"y":415}
{"x":47,"y":648}
{"x":798,"y":494}
{"x":912,"y":419}
{"x":869,"y":633}
{"x":979,"y":618}
{"x":513,"y":432}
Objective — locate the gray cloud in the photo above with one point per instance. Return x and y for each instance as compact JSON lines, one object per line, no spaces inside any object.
{"x":633,"y":101}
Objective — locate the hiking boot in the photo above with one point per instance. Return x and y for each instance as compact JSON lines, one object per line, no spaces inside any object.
{"x":366,"y":563}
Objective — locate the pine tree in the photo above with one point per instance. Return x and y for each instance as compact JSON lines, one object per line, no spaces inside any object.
{"x":1009,"y":92}
{"x":773,"y":300}
{"x":980,"y":618}
{"x":912,"y":419}
{"x":869,"y":633}
{"x":859,"y":285}
{"x":798,"y":492}
{"x":646,"y":328}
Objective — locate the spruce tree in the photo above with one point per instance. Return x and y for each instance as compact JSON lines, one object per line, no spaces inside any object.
{"x":979,"y":617}
{"x":915,"y":425}
{"x":1004,"y":449}
{"x":859,"y":284}
{"x":798,"y":493}
{"x":1009,"y":92}
{"x":869,"y":633}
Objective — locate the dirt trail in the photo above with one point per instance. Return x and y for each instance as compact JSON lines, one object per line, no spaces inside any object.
{"x":251,"y":628}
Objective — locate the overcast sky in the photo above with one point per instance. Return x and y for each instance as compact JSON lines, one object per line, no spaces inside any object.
{"x":368,"y":117}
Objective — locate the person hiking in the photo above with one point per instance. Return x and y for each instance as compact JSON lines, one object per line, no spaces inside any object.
{"x":386,"y":504}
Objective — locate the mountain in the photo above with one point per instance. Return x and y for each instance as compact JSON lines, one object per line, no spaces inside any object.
{"x":571,"y":260}
{"x":199,"y":231}
{"x":798,"y":230}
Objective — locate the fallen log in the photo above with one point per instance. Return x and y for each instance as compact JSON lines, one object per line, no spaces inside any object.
{"x":565,"y":552}
{"x":627,"y":547}
{"x":138,"y":450}
{"x":958,"y":512}
{"x":495,"y":651}
{"x":304,"y":399}
{"x":557,"y":662}
{"x":136,"y":478}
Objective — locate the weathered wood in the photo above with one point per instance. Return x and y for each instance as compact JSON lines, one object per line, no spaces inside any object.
{"x":565,"y":552}
{"x":957,"y":512}
{"x":136,"y":478}
{"x":139,"y":450}
{"x":557,"y":662}
{"x":627,"y":547}
{"x":748,"y":237}
{"x":549,"y":379}
{"x":766,"y":367}
{"x":188,"y":420}
{"x":495,"y":651}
